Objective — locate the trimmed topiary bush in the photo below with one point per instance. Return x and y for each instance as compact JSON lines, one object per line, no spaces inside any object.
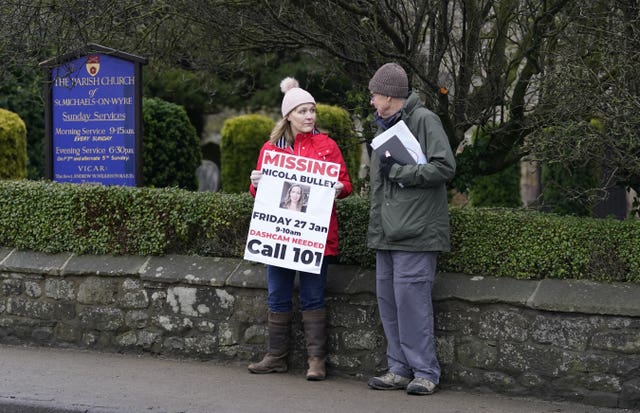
{"x":170,"y":146}
{"x":13,"y":146}
{"x":336,"y":122}
{"x":21,"y":92}
{"x":242,"y":138}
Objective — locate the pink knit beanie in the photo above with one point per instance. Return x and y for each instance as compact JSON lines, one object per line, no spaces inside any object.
{"x":390,"y":80}
{"x":293,"y":95}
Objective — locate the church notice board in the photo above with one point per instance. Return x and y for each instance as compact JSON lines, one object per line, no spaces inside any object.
{"x":93,"y":117}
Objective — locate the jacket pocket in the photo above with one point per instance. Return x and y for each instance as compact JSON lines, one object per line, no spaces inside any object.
{"x":404,"y":217}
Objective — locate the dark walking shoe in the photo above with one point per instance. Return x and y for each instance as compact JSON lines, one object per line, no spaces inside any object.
{"x":421,"y":387}
{"x":389,"y":381}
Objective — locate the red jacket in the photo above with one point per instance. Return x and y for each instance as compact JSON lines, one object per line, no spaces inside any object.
{"x":321,"y":147}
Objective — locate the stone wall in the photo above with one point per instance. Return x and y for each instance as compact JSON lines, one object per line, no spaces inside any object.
{"x":553,"y":339}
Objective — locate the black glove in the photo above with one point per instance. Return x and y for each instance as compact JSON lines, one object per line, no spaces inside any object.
{"x":386,"y":162}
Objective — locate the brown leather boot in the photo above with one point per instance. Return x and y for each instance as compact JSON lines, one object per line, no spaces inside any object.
{"x":315,"y":331}
{"x":275,"y":361}
{"x":317,"y":369}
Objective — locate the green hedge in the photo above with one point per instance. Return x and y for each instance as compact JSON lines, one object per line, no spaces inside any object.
{"x":88,"y":219}
{"x":527,"y":245}
{"x":93,"y":219}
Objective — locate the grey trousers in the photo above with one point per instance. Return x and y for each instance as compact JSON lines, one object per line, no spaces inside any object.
{"x":403,"y":282}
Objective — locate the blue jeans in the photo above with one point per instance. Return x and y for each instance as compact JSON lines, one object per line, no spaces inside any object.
{"x":280,"y":283}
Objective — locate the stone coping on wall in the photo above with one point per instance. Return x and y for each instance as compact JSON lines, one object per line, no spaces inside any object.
{"x":572,"y":296}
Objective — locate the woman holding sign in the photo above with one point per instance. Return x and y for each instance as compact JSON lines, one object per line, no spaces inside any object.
{"x":296,"y":134}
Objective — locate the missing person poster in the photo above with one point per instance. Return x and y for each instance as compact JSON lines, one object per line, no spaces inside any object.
{"x":291,"y":212}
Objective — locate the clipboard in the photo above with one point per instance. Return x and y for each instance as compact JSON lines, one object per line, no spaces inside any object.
{"x":399,"y":152}
{"x":400,"y":143}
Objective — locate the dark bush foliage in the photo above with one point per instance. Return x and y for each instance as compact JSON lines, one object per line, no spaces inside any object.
{"x":501,"y":189}
{"x":170,"y":146}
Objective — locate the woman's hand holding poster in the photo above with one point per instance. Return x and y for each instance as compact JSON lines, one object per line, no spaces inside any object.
{"x":291,"y":212}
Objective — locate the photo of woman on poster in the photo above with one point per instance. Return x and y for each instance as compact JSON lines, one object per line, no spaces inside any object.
{"x":294,"y":198}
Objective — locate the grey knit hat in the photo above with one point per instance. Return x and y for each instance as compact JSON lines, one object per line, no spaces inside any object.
{"x":390,"y":80}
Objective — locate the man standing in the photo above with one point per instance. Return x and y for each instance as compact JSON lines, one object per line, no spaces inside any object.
{"x":408,"y":226}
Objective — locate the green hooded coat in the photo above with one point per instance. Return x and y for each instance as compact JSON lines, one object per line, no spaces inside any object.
{"x":410,"y":210}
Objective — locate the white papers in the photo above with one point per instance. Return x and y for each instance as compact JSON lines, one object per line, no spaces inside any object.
{"x":285,"y":237}
{"x":400,"y":131}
